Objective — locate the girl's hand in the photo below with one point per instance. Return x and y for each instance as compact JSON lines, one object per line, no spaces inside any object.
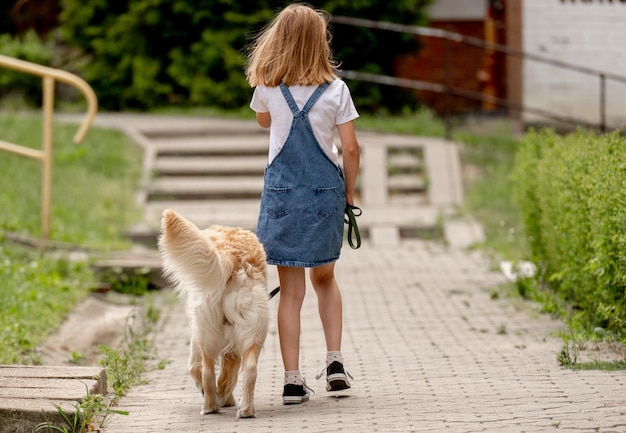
{"x":349,"y":199}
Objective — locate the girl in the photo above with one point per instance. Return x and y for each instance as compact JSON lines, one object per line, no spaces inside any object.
{"x":301,"y":100}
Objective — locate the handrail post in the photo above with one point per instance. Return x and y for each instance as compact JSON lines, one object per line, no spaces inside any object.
{"x":48,"y":108}
{"x":448,"y":96}
{"x":602,"y":102}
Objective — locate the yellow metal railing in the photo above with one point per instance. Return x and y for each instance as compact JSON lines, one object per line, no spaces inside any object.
{"x":49,"y":76}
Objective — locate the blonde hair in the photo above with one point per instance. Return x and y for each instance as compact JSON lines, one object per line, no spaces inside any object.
{"x":294,"y":48}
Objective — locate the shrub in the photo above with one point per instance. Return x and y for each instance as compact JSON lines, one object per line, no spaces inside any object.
{"x":572,"y":192}
{"x":153,"y":53}
{"x":18,"y":85}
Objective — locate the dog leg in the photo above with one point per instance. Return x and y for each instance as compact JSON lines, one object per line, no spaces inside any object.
{"x":195,"y":364}
{"x":228,"y":378}
{"x":211,"y":402}
{"x":250,"y":361}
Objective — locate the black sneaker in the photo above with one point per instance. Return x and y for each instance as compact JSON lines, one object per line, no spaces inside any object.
{"x":336,"y":377}
{"x":295,"y":394}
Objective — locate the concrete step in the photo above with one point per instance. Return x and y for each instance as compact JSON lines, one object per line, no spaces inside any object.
{"x":411,"y":183}
{"x":27,"y":394}
{"x":156,"y":129}
{"x":207,"y":188}
{"x":405,"y":162}
{"x":404,"y":211}
{"x":231,"y":180}
{"x":210,"y":165}
{"x":236,"y":145}
{"x":235,"y":212}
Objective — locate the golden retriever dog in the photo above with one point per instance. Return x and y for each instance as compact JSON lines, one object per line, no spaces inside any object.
{"x":220,"y":273}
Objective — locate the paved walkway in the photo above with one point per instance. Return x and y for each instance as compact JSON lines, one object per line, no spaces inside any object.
{"x":430,"y":349}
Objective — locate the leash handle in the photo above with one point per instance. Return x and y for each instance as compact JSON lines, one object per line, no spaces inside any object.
{"x":353,"y":229}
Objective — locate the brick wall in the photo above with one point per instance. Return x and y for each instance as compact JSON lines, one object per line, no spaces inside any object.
{"x":588,"y":33}
{"x":472,"y":68}
{"x":429,"y":64}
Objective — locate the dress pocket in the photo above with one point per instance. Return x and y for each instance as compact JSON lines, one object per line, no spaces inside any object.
{"x":277,"y":201}
{"x":329,"y":200}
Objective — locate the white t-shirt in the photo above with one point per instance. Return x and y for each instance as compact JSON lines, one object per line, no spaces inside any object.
{"x":334,"y":107}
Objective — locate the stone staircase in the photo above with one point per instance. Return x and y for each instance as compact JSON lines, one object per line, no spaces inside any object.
{"x":210,"y":179}
{"x":216,"y":177}
{"x":211,"y":172}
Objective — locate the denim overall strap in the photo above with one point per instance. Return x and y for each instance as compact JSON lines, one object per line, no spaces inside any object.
{"x":309,"y":104}
{"x":313,"y":99}
{"x":287,"y":94}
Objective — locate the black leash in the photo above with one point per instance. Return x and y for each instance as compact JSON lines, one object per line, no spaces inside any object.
{"x":353,"y":229}
{"x":274,"y":292}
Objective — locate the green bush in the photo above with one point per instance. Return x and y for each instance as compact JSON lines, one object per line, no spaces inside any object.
{"x":18,"y":85}
{"x":572,"y":192}
{"x":153,"y":53}
{"x":147,"y":53}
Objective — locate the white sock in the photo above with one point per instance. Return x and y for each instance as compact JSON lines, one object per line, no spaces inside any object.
{"x":332,"y":357}
{"x":293,"y":377}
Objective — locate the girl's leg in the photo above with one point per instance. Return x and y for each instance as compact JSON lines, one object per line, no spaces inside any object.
{"x":292,"y":290}
{"x":329,"y":304}
{"x":330,"y":310}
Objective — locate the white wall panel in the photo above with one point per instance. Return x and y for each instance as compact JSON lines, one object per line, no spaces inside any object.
{"x":586,"y":33}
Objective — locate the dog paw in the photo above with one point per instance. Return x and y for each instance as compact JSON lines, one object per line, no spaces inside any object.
{"x":246,"y":414}
{"x":205,"y":411}
{"x":228,"y":401}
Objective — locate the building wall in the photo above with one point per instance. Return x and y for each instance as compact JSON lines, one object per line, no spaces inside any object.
{"x":465,"y":10}
{"x":429,"y":65}
{"x":472,"y":68}
{"x":587,"y":33}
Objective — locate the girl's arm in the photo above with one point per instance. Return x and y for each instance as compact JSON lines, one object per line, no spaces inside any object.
{"x":264,"y":120}
{"x":351,"y":157}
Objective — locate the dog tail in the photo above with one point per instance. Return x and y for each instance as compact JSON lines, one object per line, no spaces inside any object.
{"x":189,"y":260}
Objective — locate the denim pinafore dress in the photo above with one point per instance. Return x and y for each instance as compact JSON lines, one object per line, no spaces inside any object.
{"x":301,"y":217}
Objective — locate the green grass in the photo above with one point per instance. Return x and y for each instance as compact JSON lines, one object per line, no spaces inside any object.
{"x":36,"y":292}
{"x":93,"y":203}
{"x":490,"y":156}
{"x":93,"y":190}
{"x":619,"y":365}
{"x":422,"y":122}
